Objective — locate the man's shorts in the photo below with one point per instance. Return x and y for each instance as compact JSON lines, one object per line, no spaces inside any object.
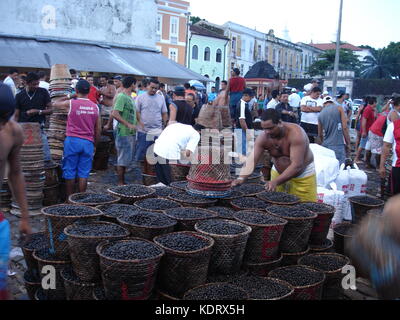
{"x":303,"y":187}
{"x":78,"y":158}
{"x":124,"y":145}
{"x":376,"y":143}
{"x":144,"y":141}
{"x":5,"y":247}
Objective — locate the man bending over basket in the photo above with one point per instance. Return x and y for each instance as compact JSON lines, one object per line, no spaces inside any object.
{"x":288,"y":145}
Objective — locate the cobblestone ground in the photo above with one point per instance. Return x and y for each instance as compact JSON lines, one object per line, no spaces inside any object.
{"x":99,"y":182}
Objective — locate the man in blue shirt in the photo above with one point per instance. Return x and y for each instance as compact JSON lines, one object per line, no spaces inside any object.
{"x":212,"y":95}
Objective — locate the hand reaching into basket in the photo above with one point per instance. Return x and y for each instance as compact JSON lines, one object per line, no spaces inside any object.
{"x":271,"y":186}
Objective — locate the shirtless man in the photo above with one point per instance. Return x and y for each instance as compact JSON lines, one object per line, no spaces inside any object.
{"x":11,"y":140}
{"x":108,"y":94}
{"x":287,"y":143}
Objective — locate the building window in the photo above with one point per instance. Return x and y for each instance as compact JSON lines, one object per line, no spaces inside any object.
{"x":159,"y":27}
{"x":195,"y":52}
{"x":234,"y":45}
{"x":173,"y":54}
{"x":217,"y":83}
{"x":232,"y":65}
{"x":219,"y":55}
{"x":259,"y":52}
{"x":241,"y":69}
{"x":207,"y":54}
{"x":174,"y":30}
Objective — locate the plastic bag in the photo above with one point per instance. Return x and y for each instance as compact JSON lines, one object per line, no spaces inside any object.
{"x":335,"y":198}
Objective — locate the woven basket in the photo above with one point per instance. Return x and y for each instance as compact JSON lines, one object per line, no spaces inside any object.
{"x":59,"y":292}
{"x":204,"y":203}
{"x":262,"y":269}
{"x":31,"y":286}
{"x":263,"y":243}
{"x":360,"y":209}
{"x":177,"y":185}
{"x":321,"y":225}
{"x":296,"y":234}
{"x":91,"y":204}
{"x":166,"y":297}
{"x":132,"y":199}
{"x":333,"y":283}
{"x":99,"y":293}
{"x":55,"y":226}
{"x":310,"y":292}
{"x":78,"y":290}
{"x":188,"y":224}
{"x":238,"y":208}
{"x":321,"y":249}
{"x":263,"y":197}
{"x":128,"y":279}
{"x":137,"y":204}
{"x":228,"y":251}
{"x":109,"y":218}
{"x":237,"y":293}
{"x":226,"y":202}
{"x":146,"y":232}
{"x":31,"y":262}
{"x":341,"y":240}
{"x":82,"y":249}
{"x":290,"y":259}
{"x":181,"y":271}
{"x":253,"y":194}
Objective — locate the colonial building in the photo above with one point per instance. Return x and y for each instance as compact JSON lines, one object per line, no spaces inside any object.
{"x":207,"y":52}
{"x":172,"y":29}
{"x":309,"y":55}
{"x":248,"y":46}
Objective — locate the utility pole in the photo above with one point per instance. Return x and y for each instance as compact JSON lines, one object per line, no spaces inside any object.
{"x":337,"y":57}
{"x":187,"y":38}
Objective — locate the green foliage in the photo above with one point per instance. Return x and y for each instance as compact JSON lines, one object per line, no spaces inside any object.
{"x":383,"y":63}
{"x":194,"y":19}
{"x":348,"y":61}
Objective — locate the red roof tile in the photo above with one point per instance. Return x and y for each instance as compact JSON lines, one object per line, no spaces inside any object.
{"x":332,"y":46}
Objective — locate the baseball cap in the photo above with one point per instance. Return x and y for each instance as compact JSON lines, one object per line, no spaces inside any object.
{"x":325,"y":93}
{"x":118,"y":78}
{"x":327,"y":99}
{"x":294,"y":90}
{"x":82,"y":86}
{"x":7,"y":102}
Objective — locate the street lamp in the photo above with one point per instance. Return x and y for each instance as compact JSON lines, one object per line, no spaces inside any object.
{"x":337,"y":56}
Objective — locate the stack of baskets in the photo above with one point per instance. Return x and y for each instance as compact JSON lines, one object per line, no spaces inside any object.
{"x":60,"y":86}
{"x":32,"y":164}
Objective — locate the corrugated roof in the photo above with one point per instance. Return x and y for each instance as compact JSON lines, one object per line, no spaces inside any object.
{"x":30,"y":53}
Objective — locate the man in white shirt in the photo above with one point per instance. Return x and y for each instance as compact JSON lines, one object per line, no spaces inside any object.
{"x":11,"y":79}
{"x":275,"y":99}
{"x":311,"y":106}
{"x":392,"y":141}
{"x":42,"y":81}
{"x":177,"y":142}
{"x":294,"y":101}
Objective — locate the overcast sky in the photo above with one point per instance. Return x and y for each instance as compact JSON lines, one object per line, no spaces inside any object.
{"x":365,"y":22}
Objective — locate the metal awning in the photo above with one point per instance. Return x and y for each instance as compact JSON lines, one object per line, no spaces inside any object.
{"x":31,"y":53}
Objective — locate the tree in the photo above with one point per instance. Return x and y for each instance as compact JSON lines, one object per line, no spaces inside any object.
{"x":194,"y":20}
{"x":379,"y":65}
{"x":348,"y":61}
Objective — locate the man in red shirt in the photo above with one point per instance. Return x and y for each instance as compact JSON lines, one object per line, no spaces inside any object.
{"x":236,"y":87}
{"x":94,"y":94}
{"x":367,"y":120}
